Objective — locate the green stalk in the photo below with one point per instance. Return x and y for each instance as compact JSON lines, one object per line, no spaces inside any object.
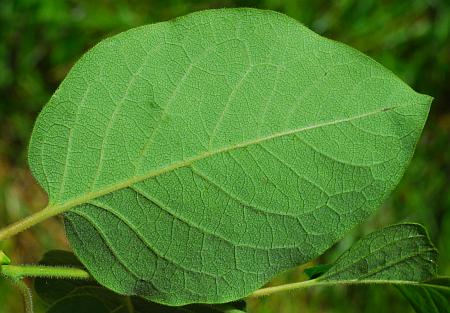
{"x":317,"y":282}
{"x":31,"y":220}
{"x":19,"y":271}
{"x":26,"y":294}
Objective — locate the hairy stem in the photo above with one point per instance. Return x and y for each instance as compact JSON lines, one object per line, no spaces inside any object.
{"x":19,"y":271}
{"x":31,"y":220}
{"x":26,"y":294}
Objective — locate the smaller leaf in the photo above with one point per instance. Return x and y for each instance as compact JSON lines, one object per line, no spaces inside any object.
{"x":398,"y":253}
{"x":60,"y":257}
{"x":401,"y":255}
{"x":80,"y":304}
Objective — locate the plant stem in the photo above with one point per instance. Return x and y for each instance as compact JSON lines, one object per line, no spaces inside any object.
{"x":31,"y":220}
{"x":26,"y":294}
{"x":20,"y":271}
{"x":317,"y":282}
{"x":129,"y":304}
{"x":286,"y":287}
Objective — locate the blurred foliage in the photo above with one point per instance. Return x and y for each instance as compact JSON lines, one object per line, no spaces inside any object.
{"x":41,"y":39}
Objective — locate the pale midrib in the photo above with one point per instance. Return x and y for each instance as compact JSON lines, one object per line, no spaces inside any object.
{"x":62,"y":207}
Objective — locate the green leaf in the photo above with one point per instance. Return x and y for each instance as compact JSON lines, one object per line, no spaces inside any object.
{"x":401,"y":255}
{"x":197,"y":158}
{"x":395,"y":254}
{"x":81,"y":304}
{"x":430,"y":297}
{"x":74,"y":296}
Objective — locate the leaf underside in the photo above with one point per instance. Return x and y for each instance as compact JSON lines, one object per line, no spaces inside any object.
{"x":401,"y":252}
{"x":201,"y":156}
{"x":401,"y":255}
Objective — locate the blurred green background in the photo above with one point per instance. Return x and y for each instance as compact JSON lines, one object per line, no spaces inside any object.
{"x":41,"y":40}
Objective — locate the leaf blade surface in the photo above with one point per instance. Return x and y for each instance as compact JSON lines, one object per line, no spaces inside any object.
{"x":201,"y":156}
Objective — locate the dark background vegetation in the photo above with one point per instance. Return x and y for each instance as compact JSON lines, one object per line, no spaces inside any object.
{"x":41,"y":40}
